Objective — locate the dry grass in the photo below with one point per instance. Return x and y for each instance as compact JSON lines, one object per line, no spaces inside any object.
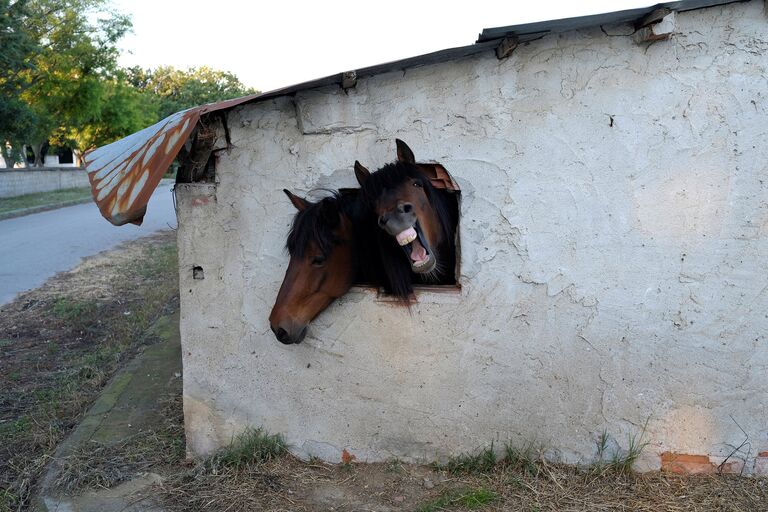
{"x":527,"y":483}
{"x":104,"y":466}
{"x":61,"y":343}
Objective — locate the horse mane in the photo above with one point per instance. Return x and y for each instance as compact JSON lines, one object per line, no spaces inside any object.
{"x":316,"y":223}
{"x":398,"y":276}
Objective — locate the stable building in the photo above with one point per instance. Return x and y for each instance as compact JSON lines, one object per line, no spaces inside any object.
{"x":611,"y":173}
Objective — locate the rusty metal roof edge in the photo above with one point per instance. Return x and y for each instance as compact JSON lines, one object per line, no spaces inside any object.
{"x":594,"y":20}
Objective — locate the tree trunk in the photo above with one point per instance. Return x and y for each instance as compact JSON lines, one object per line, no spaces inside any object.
{"x":37,"y":149}
{"x":77,"y":158}
{"x":9,"y":162}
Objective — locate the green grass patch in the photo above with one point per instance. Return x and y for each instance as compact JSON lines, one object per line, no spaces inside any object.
{"x":468,"y":498}
{"x":251,"y":447}
{"x":71,"y":310}
{"x":10,"y":204}
{"x":481,"y":462}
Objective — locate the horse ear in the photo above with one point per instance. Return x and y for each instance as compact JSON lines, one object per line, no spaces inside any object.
{"x":404,"y":153}
{"x":300,"y":203}
{"x":361,"y":173}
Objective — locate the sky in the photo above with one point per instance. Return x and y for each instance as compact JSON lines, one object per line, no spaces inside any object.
{"x":274,"y":44}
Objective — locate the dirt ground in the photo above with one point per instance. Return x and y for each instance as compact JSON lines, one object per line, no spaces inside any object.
{"x":290,"y":485}
{"x":60,"y":344}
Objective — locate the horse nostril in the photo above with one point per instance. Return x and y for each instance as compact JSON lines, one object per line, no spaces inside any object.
{"x":383,"y":220}
{"x":281,"y":334}
{"x":406,"y":207}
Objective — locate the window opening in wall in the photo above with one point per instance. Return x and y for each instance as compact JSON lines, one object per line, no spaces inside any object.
{"x":444,"y":185}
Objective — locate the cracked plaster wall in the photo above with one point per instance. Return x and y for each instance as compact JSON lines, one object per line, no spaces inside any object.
{"x":614,"y":245}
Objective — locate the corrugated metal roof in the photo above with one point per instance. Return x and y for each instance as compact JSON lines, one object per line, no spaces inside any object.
{"x":124,"y":174}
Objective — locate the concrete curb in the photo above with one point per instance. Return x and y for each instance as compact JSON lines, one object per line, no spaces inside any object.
{"x":44,"y":208}
{"x":126,"y":405}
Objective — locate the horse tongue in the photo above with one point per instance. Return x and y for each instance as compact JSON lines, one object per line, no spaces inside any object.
{"x":418,"y":253}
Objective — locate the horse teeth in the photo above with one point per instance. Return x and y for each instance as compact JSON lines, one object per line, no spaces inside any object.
{"x":406,"y":241}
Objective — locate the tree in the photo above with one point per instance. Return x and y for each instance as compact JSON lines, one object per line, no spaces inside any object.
{"x":16,"y":118}
{"x":177,"y":89}
{"x":73,"y":55}
{"x":122,"y":110}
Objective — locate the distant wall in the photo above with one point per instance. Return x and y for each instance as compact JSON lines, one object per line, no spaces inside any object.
{"x":17,"y":182}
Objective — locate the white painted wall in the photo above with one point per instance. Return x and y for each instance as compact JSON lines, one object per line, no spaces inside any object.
{"x":18,"y":182}
{"x":613,"y":273}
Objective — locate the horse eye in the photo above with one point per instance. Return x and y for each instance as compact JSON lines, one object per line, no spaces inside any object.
{"x":318,"y":261}
{"x":417,"y":184}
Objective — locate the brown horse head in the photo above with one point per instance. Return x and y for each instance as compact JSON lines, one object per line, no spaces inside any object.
{"x":407,"y":208}
{"x":321,"y":266}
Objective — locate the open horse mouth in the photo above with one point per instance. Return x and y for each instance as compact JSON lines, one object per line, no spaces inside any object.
{"x":415,"y":245}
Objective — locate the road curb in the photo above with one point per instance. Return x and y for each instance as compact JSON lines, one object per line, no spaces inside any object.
{"x":37,"y":209}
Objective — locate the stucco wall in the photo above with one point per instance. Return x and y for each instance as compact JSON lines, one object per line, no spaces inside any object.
{"x":28,"y":181}
{"x":614,"y":239}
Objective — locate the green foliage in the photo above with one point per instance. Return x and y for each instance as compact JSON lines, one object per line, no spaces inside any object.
{"x":16,"y":117}
{"x":60,"y":83}
{"x":122,"y":110}
{"x":176,"y":90}
{"x":62,"y":52}
{"x":253,"y":446}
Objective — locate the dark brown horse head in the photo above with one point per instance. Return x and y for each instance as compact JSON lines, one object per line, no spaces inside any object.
{"x":407,"y":209}
{"x":321,"y":266}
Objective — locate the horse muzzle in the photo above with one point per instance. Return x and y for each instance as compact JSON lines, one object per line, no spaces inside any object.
{"x":289,"y":337}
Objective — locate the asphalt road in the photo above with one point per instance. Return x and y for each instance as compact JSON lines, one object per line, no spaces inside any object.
{"x":35,"y":247}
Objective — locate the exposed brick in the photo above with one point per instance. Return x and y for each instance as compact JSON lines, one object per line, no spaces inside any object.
{"x":684,"y":464}
{"x":761,"y":464}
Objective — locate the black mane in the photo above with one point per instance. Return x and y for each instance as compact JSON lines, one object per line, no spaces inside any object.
{"x":399,"y":278}
{"x":315,"y":223}
{"x":318,"y":222}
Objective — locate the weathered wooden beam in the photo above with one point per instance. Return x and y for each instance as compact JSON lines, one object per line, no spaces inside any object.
{"x":653,"y":17}
{"x":506,"y":47}
{"x":660,"y":30}
{"x":348,"y":79}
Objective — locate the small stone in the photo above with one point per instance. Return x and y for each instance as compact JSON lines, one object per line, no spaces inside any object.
{"x":428,"y":484}
{"x":399,"y":499}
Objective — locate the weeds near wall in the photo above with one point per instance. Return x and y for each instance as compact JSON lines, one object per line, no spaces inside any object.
{"x":468,"y":464}
{"x":251,"y":447}
{"x":622,"y":460}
